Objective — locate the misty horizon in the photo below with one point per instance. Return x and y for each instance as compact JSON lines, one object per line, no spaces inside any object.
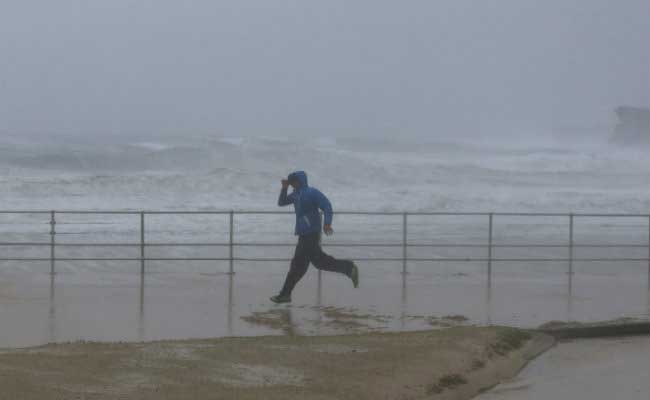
{"x":440,"y":70}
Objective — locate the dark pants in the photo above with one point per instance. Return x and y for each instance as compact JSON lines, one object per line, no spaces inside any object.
{"x":309,"y":250}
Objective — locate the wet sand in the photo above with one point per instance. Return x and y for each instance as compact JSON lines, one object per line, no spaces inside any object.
{"x":454,"y":363}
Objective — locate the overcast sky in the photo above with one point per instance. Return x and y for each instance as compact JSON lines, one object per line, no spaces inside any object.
{"x":330,"y":67}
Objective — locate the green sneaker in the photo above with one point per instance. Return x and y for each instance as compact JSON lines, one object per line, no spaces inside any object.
{"x":280,"y":299}
{"x":354,"y":275}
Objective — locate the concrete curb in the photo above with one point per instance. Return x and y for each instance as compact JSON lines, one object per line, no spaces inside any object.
{"x":596,"y":331}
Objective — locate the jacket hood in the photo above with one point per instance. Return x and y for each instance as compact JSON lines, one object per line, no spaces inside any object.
{"x":301,"y":176}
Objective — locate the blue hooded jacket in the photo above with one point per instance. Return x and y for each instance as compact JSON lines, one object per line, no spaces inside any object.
{"x":306,"y":202}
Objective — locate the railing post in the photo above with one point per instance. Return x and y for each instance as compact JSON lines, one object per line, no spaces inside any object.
{"x":52,"y":242}
{"x":320,"y":272}
{"x":490,"y":238}
{"x":404,"y":243}
{"x":570,"y":247}
{"x":142,"y":244}
{"x":231,"y":255}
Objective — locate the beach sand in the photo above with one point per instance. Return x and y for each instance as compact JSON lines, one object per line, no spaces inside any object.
{"x":453,"y":363}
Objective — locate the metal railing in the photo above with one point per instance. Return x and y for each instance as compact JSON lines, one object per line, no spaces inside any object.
{"x":489,"y":246}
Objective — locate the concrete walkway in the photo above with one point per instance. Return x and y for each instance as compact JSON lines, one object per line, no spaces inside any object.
{"x":112,"y":303}
{"x":594,"y":369}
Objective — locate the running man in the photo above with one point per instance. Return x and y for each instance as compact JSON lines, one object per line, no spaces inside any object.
{"x":307,"y":201}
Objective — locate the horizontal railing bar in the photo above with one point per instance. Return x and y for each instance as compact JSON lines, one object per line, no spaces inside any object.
{"x":183,"y":259}
{"x":528,"y":245}
{"x":645,"y":246}
{"x":98,"y":212}
{"x":441,"y":245}
{"x":533,"y":214}
{"x":262,"y":212}
{"x":387,"y":213}
{"x":481,"y":213}
{"x":96,"y":244}
{"x":435,"y":213}
{"x":186,"y":244}
{"x":526,"y":259}
{"x":190,"y":244}
{"x":465,"y":259}
{"x":532,"y":259}
{"x":35,"y":244}
{"x":25,"y":244}
{"x":116,"y":259}
{"x":324,"y":244}
{"x":415,"y":259}
{"x":614,"y":215}
{"x":138,"y":244}
{"x":243,"y":244}
{"x":288,"y":259}
{"x":70,"y":244}
{"x":25,"y":211}
{"x":162,"y":212}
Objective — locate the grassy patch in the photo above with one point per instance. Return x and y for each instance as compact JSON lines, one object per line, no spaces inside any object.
{"x":446,"y":382}
{"x":455,"y":318}
{"x":275,"y":319}
{"x":337,"y":313}
{"x":478,"y":364}
{"x":509,"y":339}
{"x":447,"y":321}
{"x":350,"y":320}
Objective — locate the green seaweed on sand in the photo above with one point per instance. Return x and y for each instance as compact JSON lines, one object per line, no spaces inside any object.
{"x":446,"y":382}
{"x":509,"y":339}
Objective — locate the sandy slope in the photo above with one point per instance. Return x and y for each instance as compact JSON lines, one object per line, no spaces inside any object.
{"x":453,"y":363}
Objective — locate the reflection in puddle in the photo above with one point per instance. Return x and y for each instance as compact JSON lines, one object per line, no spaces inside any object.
{"x":415,"y":306}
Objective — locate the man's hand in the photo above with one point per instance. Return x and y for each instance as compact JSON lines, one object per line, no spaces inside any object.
{"x":328,"y":230}
{"x":285,"y":184}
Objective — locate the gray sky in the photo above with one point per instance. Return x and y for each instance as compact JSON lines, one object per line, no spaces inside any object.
{"x":335,"y":67}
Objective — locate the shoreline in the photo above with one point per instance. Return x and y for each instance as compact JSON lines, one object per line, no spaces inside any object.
{"x":458,"y":363}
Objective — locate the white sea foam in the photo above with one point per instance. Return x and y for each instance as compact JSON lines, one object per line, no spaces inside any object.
{"x":244,"y":173}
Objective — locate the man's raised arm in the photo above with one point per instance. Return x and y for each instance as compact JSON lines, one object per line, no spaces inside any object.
{"x":284,"y":199}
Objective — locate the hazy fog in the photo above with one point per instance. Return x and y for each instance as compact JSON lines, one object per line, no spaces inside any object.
{"x":335,"y":67}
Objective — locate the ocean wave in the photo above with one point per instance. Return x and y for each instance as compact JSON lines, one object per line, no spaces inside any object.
{"x":218,"y":173}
